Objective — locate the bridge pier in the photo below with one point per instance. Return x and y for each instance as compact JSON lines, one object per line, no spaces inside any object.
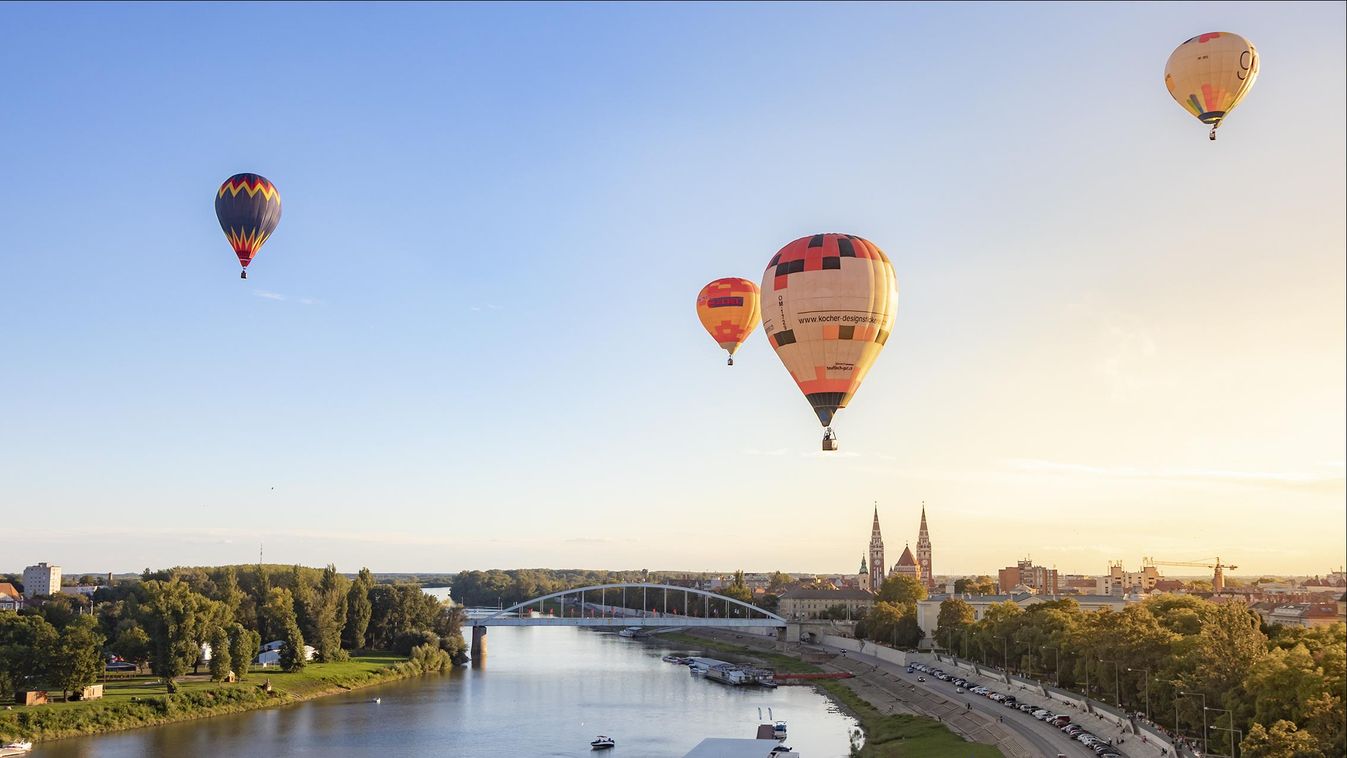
{"x":478,"y":650}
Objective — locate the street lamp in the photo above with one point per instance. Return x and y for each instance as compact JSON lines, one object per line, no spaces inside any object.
{"x":1232,"y":738}
{"x":1057,"y":663}
{"x":1148,"y":690}
{"x":1226,"y":711}
{"x":1117,"y":698}
{"x":1202,"y":695}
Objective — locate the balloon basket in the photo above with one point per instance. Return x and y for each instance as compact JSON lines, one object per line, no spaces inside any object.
{"x":243,"y":274}
{"x":829,"y":440}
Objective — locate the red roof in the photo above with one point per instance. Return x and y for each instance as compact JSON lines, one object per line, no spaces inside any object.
{"x":906,"y":559}
{"x":8,"y":589}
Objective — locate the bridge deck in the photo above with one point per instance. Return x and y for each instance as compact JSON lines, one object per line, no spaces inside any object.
{"x":618,"y":622}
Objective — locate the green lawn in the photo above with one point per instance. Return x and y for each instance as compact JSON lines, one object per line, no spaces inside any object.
{"x":904,"y":736}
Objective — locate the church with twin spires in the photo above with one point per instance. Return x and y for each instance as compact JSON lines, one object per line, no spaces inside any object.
{"x":874,"y":570}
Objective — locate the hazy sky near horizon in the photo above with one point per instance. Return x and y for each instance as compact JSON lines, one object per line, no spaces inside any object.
{"x":471,"y":342}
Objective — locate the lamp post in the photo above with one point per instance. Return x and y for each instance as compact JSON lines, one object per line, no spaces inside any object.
{"x":1005,"y":653}
{"x":1202,"y":695}
{"x":1226,"y":711}
{"x":1117,"y":698}
{"x":1056,"y":663}
{"x":1232,"y":738}
{"x":1147,"y":672}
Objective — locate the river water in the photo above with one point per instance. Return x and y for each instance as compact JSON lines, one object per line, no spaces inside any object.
{"x":540,"y":692}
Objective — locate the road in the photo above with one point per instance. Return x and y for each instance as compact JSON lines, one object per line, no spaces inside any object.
{"x":938,"y":698}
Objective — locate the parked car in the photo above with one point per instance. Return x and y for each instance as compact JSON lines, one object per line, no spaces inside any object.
{"x":921,"y":678}
{"x":1060,"y":719}
{"x":121,"y":666}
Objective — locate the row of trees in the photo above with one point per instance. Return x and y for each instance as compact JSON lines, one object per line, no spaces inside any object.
{"x":162,"y":621}
{"x":1170,"y":657}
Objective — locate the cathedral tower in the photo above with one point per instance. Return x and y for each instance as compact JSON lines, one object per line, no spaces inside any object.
{"x":877,"y":563}
{"x":924,"y":552}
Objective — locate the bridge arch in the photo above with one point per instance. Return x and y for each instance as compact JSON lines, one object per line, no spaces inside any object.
{"x":770,"y":618}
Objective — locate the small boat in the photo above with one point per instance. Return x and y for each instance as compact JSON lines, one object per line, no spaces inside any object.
{"x":602,"y":743}
{"x":16,"y":745}
{"x":779,"y":730}
{"x":630,"y":631}
{"x":779,"y":749}
{"x":377,"y":700}
{"x":672,"y":659}
{"x":768,"y":683}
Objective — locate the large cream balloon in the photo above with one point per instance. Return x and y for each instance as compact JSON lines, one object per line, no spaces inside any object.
{"x":1210,"y":74}
{"x":828,"y":304}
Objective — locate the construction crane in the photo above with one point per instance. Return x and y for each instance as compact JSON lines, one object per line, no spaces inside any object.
{"x":1218,"y":569}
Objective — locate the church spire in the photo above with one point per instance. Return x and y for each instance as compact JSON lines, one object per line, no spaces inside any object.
{"x":924,"y":551}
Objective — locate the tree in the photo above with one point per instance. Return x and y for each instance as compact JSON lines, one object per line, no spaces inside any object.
{"x":778,"y":582}
{"x":952,"y":623}
{"x":177,"y":621}
{"x":1282,"y":740}
{"x":358,"y":611}
{"x":330,"y":615}
{"x":243,"y":646}
{"x":902,"y":590}
{"x":982,"y":585}
{"x":27,"y":646}
{"x":292,"y":652}
{"x":278,"y":614}
{"x":738,"y":589}
{"x":132,"y":643}
{"x":79,"y":659}
{"x":230,"y":594}
{"x":220,"y":659}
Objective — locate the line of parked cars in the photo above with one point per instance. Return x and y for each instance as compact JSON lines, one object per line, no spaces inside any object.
{"x":1100,"y":746}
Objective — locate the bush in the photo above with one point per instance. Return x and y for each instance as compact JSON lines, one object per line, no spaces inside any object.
{"x":404,"y":643}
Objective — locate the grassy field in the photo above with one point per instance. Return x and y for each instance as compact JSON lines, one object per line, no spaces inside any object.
{"x":133,"y":702}
{"x":895,"y":736}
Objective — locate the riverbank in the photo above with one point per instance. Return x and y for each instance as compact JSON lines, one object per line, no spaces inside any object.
{"x":887,"y":734}
{"x":136,"y":702}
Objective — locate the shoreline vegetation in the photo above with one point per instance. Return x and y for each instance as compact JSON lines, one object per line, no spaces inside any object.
{"x":197,"y":639}
{"x":137,"y":702}
{"x":885,"y":736}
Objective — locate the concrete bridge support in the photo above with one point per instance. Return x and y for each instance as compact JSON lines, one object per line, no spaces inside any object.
{"x":478,"y":651}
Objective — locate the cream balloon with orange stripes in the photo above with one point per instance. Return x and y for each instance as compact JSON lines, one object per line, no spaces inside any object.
{"x":1210,"y":74}
{"x":828,"y":305}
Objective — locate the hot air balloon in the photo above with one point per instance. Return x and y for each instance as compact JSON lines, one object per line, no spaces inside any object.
{"x":1210,"y":74}
{"x":249,"y":208}
{"x":828,"y":306}
{"x":728,"y":308}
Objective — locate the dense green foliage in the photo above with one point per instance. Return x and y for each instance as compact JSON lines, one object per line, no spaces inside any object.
{"x":163,"y":620}
{"x":1281,"y":686}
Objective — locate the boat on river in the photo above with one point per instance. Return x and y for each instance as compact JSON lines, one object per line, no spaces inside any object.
{"x":10,"y":748}
{"x":602,"y":743}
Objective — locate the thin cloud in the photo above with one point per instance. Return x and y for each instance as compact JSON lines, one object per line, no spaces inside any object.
{"x":1282,"y":479}
{"x":771,"y":453}
{"x":269,"y":295}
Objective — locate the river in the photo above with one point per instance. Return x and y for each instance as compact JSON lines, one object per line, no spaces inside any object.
{"x":540,"y":692}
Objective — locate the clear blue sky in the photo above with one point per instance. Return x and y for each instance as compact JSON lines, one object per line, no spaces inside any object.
{"x":472,"y":342}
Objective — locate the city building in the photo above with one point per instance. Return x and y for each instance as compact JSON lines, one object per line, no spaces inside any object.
{"x":1042,"y":581}
{"x":928,"y":610}
{"x":1306,"y":615}
{"x":10,"y":597}
{"x":1120,"y":582}
{"x":797,"y":604}
{"x":907,"y":565}
{"x":41,"y":579}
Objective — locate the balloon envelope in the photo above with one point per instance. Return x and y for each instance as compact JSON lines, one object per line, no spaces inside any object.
{"x":1211,"y":73}
{"x":828,"y":307}
{"x":249,"y":208}
{"x":728,"y":308}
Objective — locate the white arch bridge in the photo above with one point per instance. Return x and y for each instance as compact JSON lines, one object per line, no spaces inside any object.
{"x":661,"y":607}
